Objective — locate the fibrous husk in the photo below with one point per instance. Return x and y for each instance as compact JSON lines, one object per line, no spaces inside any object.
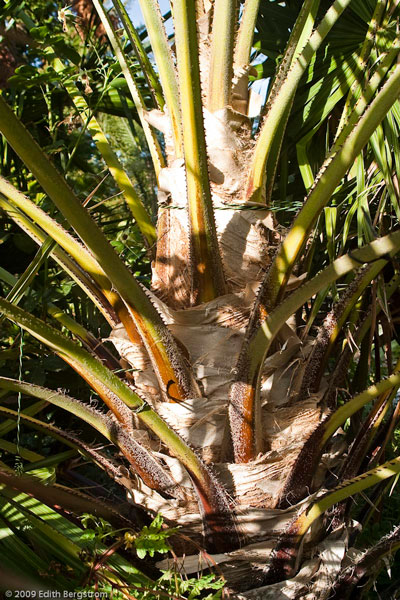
{"x":331,"y":553}
{"x":201,"y":420}
{"x":210,"y":333}
{"x":225,"y":147}
{"x":314,"y":580}
{"x":291,"y":589}
{"x":240,"y":89}
{"x":246,"y":232}
{"x":135,"y":354}
{"x":259,"y":527}
{"x":247,"y":240}
{"x":171,"y":269}
{"x":260,"y":483}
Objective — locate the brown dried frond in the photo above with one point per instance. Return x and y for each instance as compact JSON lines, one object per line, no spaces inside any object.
{"x":89,"y":19}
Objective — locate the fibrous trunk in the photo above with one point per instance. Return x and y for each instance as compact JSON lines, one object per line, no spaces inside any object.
{"x":211,"y":336}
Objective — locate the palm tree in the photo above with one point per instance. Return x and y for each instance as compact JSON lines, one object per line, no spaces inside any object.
{"x":251,"y":350}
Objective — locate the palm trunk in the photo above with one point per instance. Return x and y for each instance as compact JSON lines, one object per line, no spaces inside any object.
{"x":211,"y":336}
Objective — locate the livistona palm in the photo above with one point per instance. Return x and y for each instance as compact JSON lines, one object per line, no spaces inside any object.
{"x":229,"y":421}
